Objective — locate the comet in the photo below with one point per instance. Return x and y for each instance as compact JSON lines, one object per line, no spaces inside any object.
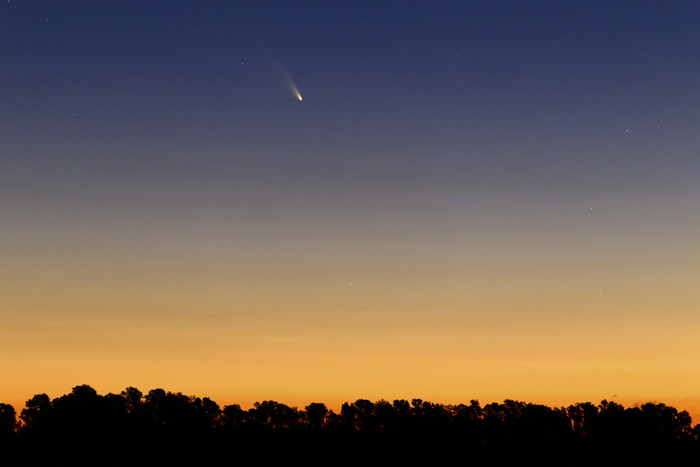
{"x":291,"y":84}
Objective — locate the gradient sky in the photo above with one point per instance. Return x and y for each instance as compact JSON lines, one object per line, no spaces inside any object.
{"x":474,"y":199}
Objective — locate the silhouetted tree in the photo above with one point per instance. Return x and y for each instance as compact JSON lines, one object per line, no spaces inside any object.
{"x":233,"y":416}
{"x":583,"y":417}
{"x":8,"y":445}
{"x":364,"y":415}
{"x":347,"y":415}
{"x":133,"y":398}
{"x":273,"y":414}
{"x":37,"y":412}
{"x":402,"y":414}
{"x":385,"y":416}
{"x":316,"y":413}
{"x":209,"y":411}
{"x":8,"y":420}
{"x":80,"y":410}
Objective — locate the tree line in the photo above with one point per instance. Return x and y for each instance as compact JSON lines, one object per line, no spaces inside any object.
{"x":161,"y":427}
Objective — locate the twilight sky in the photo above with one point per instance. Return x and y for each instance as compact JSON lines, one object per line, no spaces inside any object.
{"x":474,"y":199}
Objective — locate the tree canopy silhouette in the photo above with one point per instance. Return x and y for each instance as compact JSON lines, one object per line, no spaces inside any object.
{"x":159,"y":427}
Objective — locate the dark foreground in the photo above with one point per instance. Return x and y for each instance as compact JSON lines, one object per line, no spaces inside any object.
{"x":164,"y":428}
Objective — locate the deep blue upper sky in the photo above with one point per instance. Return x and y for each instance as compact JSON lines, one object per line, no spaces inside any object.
{"x":412,"y":87}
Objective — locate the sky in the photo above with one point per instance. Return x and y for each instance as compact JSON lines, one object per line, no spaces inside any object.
{"x":325,"y":201}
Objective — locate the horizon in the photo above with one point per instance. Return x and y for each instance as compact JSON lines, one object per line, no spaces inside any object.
{"x":335,"y":405}
{"x":478,"y":200}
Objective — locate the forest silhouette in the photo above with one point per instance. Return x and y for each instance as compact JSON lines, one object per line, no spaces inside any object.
{"x":166,"y":428}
